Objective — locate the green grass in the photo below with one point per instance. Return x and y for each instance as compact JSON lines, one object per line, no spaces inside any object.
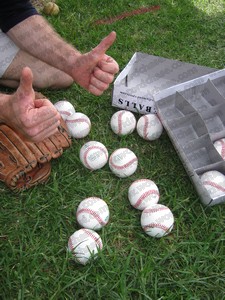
{"x":35,"y":225}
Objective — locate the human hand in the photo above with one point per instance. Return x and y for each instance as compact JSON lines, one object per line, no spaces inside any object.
{"x":95,"y":70}
{"x":36,"y":119}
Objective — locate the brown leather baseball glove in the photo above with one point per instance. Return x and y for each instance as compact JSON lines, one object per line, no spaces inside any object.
{"x":24,"y":164}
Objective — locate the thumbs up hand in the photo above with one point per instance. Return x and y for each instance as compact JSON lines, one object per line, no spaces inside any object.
{"x":95,"y":70}
{"x":36,"y":119}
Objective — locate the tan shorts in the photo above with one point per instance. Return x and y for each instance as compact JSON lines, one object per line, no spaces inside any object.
{"x":8,"y":51}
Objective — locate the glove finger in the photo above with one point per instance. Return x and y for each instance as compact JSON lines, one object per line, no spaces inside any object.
{"x":17,"y":149}
{"x":63,"y":135}
{"x":58,"y":141}
{"x":19,"y":181}
{"x":54,"y":146}
{"x":40,"y":151}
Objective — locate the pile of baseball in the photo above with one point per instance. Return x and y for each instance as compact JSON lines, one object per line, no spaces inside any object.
{"x":92,"y":213}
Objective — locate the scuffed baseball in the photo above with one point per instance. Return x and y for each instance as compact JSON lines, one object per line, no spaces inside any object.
{"x":142,"y":193}
{"x":92,"y":213}
{"x":157,"y":220}
{"x":85,"y":244}
{"x":220,"y":147}
{"x":214,"y":182}
{"x":51,"y":9}
{"x":65,"y":108}
{"x":123,"y":162}
{"x":94,"y":155}
{"x":79,"y":125}
{"x":123,"y":122}
{"x":149,"y":127}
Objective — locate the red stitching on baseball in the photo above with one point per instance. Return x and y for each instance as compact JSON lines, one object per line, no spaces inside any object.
{"x":70,"y":244}
{"x":91,"y":148}
{"x":93,"y":213}
{"x":79,"y":120}
{"x":145,"y":130}
{"x":215,"y":185}
{"x":145,"y":195}
{"x":97,"y":240}
{"x":120,"y":122}
{"x":153,"y":210}
{"x":223,"y":148}
{"x":123,"y":166}
{"x":156,"y":225}
{"x":65,"y":112}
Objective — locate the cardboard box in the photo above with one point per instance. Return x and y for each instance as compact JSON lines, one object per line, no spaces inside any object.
{"x":190,"y":101}
{"x":193,"y":114}
{"x":147,"y":75}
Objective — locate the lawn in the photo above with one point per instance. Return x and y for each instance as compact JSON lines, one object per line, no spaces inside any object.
{"x":35,"y":225}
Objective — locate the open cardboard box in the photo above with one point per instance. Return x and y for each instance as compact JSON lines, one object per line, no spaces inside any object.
{"x":190,"y":101}
{"x":147,"y":75}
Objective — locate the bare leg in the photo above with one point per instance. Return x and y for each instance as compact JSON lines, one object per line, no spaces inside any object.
{"x":45,"y":76}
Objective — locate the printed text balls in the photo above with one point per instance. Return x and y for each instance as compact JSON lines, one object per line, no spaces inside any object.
{"x":79,"y":125}
{"x":149,"y":127}
{"x":92,"y":213}
{"x":123,"y":122}
{"x":157,"y":220}
{"x":65,"y":108}
{"x":123,"y":162}
{"x":214,"y":182}
{"x":142,"y":193}
{"x":84,"y":244}
{"x":220,"y":147}
{"x":93,"y":155}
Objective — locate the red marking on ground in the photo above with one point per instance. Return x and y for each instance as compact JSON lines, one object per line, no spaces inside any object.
{"x":127,"y":14}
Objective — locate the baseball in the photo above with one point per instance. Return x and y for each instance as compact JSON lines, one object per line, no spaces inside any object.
{"x":214,"y":182}
{"x":94,"y":155}
{"x":157,"y":220}
{"x":92,"y":213}
{"x":65,"y":108}
{"x":142,"y":193}
{"x":79,"y":125}
{"x":51,"y":9}
{"x":149,"y":127}
{"x":123,"y":122}
{"x":123,"y":162}
{"x":84,"y":244}
{"x":220,"y":147}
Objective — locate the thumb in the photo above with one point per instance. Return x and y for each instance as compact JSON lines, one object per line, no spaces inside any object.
{"x":26,"y":80}
{"x":105,"y":44}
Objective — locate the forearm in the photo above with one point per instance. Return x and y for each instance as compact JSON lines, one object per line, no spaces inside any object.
{"x":37,"y":37}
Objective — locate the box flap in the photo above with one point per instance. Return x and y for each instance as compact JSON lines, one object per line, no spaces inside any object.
{"x":146,"y":75}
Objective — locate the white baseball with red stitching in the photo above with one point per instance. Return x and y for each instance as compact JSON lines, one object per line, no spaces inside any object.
{"x":220,"y":147}
{"x":79,"y":125}
{"x":92,"y":213}
{"x":157,"y":220}
{"x":123,"y":122}
{"x":123,"y":162}
{"x":85,"y":244}
{"x":214,"y":182}
{"x":65,"y":108}
{"x":149,"y":127}
{"x":142,"y":193}
{"x":94,"y":155}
